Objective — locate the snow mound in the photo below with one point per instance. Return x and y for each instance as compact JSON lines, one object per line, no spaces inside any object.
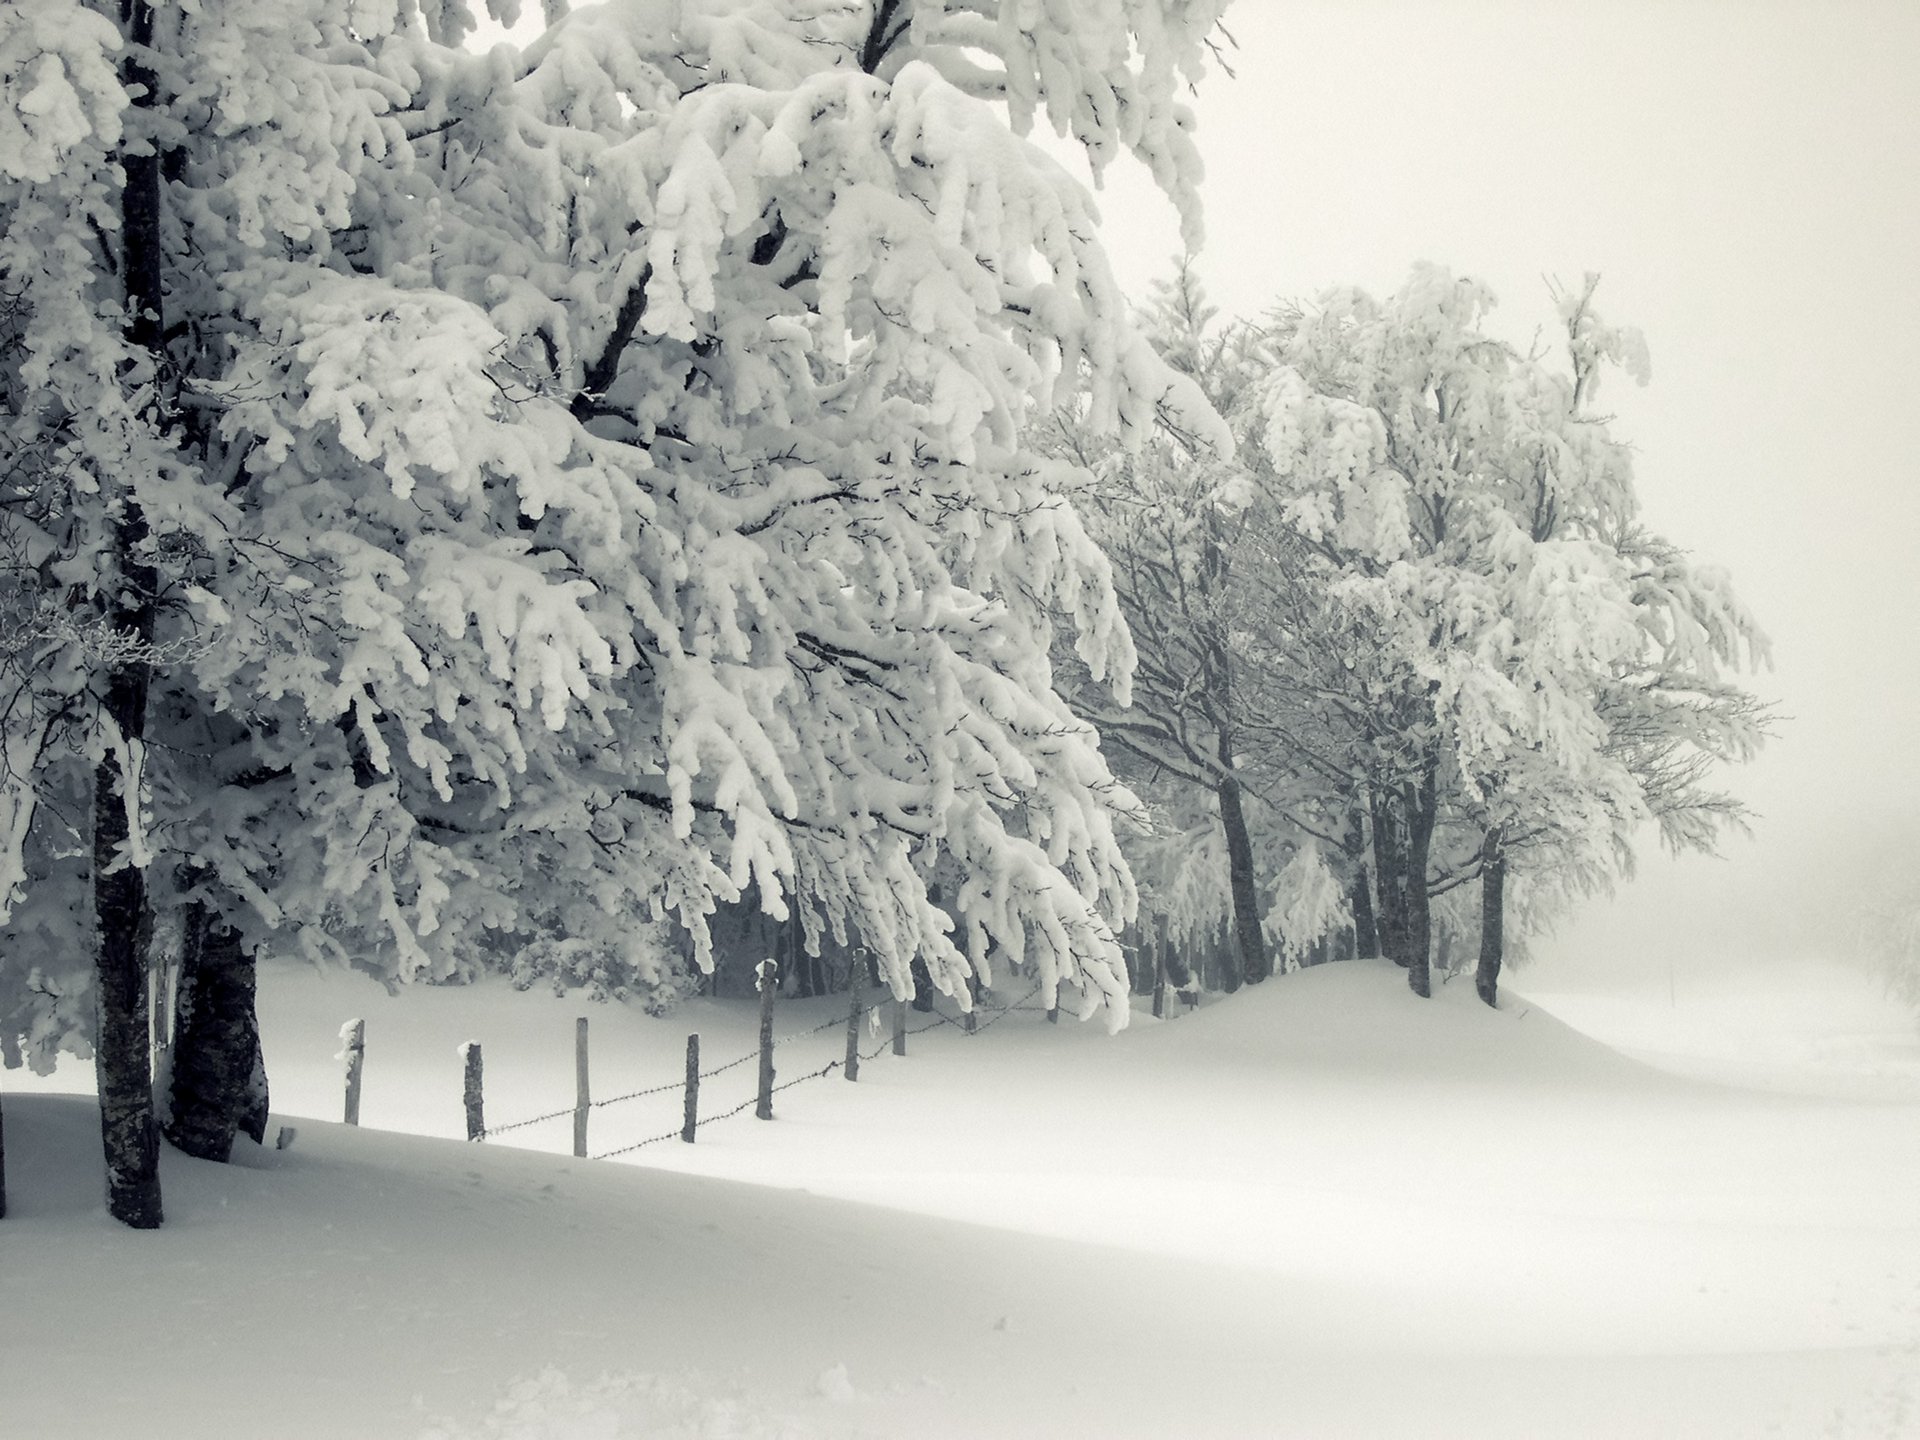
{"x":1359,"y":1016}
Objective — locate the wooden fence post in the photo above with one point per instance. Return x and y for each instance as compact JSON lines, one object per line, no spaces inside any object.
{"x":973,"y":1004}
{"x":583,"y":1095}
{"x":470,"y":1091}
{"x":769,"y":972}
{"x":852,"y":1067}
{"x":692,"y":1116}
{"x":899,"y":1026}
{"x":354,"y":1033}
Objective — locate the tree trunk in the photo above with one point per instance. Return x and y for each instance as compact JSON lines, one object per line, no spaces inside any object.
{"x":1366,"y":933}
{"x":122,"y":1061}
{"x":219,"y":1078}
{"x":1366,"y":938}
{"x":1389,"y":875}
{"x":1162,"y":950}
{"x":922,"y":985}
{"x":1423,"y":810}
{"x":1493,"y":921}
{"x":1250,"y":947}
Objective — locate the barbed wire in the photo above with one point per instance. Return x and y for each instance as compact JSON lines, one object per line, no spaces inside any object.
{"x":640,"y":1144}
{"x":489,"y":1131}
{"x":940,"y":1017}
{"x":637,"y":1094}
{"x":834,"y":1023}
{"x":754,"y":1099}
{"x":730,"y":1065}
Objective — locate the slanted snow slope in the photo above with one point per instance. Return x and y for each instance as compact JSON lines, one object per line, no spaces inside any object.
{"x":1321,"y":1209}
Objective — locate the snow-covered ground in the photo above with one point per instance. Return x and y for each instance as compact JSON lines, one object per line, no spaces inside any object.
{"x":1320,"y":1209}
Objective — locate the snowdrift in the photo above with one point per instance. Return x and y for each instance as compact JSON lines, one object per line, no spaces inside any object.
{"x":1323,"y":1208}
{"x":1360,"y":1017}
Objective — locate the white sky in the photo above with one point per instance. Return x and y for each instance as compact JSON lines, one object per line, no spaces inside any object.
{"x":1744,"y":176}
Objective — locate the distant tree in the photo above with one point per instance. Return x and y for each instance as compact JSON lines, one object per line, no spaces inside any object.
{"x":1172,"y":516}
{"x":1886,"y":926}
{"x":1517,"y":661}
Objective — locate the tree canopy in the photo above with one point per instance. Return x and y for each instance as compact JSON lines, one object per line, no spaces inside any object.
{"x":1416,"y":616}
{"x":461,"y":503}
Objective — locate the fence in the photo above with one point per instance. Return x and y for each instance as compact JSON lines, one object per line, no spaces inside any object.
{"x":969,"y":1022}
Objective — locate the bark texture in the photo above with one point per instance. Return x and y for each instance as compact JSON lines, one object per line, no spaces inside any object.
{"x":1390,"y":873}
{"x":1493,"y":920}
{"x":1403,"y":823}
{"x":219,"y":1074}
{"x":1250,"y":961}
{"x":922,"y":985}
{"x":122,"y":1063}
{"x":129,"y":1138}
{"x":1366,"y":938}
{"x":1423,"y":810}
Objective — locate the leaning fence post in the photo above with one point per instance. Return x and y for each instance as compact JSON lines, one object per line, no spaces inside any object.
{"x":852,"y":1068}
{"x":691,"y":1118}
{"x":354,"y":1036}
{"x":470,"y":1091}
{"x":899,"y":1026}
{"x":769,"y":972}
{"x":583,"y":1098}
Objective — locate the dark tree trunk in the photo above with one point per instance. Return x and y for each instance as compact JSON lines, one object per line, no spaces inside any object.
{"x":1250,"y":946}
{"x":922,"y":986}
{"x":1138,"y":951}
{"x":1402,"y":842}
{"x":1389,"y":876}
{"x":3,"y":1161}
{"x":1493,"y":920}
{"x":1423,"y":809}
{"x":1162,"y":955}
{"x":1181,"y":972}
{"x":1366,"y":939}
{"x":122,"y":1062}
{"x":796,"y":963}
{"x":219,"y":1078}
{"x":1366,"y":934}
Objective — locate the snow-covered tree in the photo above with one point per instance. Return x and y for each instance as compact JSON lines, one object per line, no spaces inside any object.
{"x":465,"y":503}
{"x":1533,"y":668}
{"x":1172,"y":515}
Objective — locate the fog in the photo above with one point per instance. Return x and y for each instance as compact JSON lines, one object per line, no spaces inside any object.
{"x":1743,"y":176}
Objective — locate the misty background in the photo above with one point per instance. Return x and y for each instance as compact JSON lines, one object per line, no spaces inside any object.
{"x":1743,"y":176}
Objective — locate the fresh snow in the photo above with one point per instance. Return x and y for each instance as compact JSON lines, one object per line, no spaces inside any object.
{"x":1321,"y":1209}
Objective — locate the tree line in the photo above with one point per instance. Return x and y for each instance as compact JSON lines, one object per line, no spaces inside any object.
{"x":1408,"y":644}
{"x":478,"y":511}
